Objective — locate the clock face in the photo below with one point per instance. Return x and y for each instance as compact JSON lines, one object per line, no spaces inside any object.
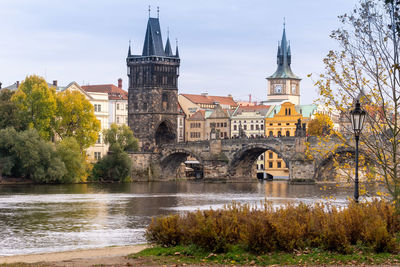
{"x":278,"y":88}
{"x":293,"y":88}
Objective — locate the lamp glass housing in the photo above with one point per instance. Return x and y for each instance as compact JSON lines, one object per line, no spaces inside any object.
{"x":357,"y":116}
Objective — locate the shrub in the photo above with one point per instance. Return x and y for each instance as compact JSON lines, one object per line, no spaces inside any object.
{"x":113,"y":167}
{"x":372,"y":225}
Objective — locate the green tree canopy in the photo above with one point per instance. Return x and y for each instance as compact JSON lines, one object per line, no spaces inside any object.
{"x":25,"y":154}
{"x":9,"y":113}
{"x":70,"y":153}
{"x":75,"y":118}
{"x":120,"y":138}
{"x":36,"y":103}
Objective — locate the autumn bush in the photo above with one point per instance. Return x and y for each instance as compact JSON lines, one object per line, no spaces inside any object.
{"x":372,"y":225}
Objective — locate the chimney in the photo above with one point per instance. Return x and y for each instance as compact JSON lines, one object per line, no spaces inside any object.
{"x":17,"y":84}
{"x":55,"y":83}
{"x":204,"y":94}
{"x":120,"y":83}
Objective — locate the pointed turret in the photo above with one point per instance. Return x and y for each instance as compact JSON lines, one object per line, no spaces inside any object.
{"x":168,"y":49}
{"x":129,"y":50}
{"x":153,"y":45}
{"x":177,"y":51}
{"x":284,"y":60}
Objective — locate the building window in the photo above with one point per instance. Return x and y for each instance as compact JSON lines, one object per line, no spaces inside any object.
{"x":271,"y":134}
{"x":97,"y":107}
{"x":262,"y":127}
{"x":117,"y":119}
{"x":287,"y":133}
{"x":98,"y":139}
{"x":270,"y":165}
{"x":225,"y":124}
{"x":279,"y":134}
{"x":145,"y":106}
{"x":234,"y":127}
{"x":279,"y":164}
{"x":97,"y":155}
{"x":252,"y":127}
{"x":262,"y":166}
{"x":270,"y":155}
{"x":126,"y":106}
{"x":245,"y":127}
{"x":117,"y":106}
{"x":257,"y":127}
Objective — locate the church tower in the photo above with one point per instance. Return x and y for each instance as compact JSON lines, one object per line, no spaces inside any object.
{"x":153,"y":90}
{"x":284,"y":84}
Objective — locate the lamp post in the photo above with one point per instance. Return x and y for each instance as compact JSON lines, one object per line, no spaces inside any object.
{"x":357,"y":116}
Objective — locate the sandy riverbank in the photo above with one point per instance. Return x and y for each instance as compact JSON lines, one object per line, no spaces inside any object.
{"x":113,"y":256}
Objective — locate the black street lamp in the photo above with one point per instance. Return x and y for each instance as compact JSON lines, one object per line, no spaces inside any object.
{"x":357,"y":120}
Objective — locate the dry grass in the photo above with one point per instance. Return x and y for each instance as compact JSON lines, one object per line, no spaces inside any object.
{"x":373,"y":226}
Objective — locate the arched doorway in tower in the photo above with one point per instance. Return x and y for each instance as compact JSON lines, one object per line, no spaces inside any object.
{"x":165,"y":133}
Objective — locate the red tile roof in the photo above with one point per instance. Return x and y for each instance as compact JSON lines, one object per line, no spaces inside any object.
{"x":208,"y":99}
{"x":114,"y":92}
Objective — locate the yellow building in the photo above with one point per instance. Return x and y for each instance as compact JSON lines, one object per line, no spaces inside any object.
{"x":280,"y":123}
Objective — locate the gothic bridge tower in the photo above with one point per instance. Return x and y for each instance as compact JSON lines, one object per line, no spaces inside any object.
{"x":284,"y":84}
{"x":153,"y":90}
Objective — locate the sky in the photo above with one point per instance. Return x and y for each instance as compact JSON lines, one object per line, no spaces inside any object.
{"x":225,"y":46}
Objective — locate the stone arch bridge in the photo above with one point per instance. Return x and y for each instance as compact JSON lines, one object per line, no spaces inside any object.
{"x":233,"y":159}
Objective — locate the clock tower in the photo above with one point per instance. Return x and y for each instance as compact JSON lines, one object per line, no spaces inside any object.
{"x":284,"y":84}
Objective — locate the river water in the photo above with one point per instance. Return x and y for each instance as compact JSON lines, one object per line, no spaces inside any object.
{"x":48,"y":218}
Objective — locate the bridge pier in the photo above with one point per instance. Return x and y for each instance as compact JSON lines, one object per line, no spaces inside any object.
{"x":301,"y":171}
{"x":144,"y":166}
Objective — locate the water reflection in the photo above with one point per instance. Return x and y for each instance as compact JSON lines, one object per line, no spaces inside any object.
{"x":44,"y":218}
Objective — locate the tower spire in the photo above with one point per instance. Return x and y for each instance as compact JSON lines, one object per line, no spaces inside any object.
{"x":177,"y":51}
{"x":168,"y":50}
{"x":149,"y":10}
{"x":129,"y":50}
{"x":158,"y":12}
{"x":284,"y":58}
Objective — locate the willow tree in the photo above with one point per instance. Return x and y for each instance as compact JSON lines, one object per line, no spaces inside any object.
{"x":367,"y":67}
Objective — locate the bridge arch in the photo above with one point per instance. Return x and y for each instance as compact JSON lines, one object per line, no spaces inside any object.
{"x":325,"y":169}
{"x":171,"y":160}
{"x":242,"y":163}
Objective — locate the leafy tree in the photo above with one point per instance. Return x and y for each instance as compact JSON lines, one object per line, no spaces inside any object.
{"x":116,"y":165}
{"x":71,"y":155}
{"x":25,"y":154}
{"x":75,"y":118}
{"x":320,"y":125}
{"x":9,"y":113}
{"x":113,"y":167}
{"x":120,"y":138}
{"x":36,"y":103}
{"x":367,"y":67}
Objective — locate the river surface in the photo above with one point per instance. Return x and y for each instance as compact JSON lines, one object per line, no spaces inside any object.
{"x":49,"y":218}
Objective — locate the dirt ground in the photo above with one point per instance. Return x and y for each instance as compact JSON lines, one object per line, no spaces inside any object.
{"x":110,"y":256}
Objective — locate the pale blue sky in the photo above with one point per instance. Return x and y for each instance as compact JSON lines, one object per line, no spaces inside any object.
{"x":226,"y":46}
